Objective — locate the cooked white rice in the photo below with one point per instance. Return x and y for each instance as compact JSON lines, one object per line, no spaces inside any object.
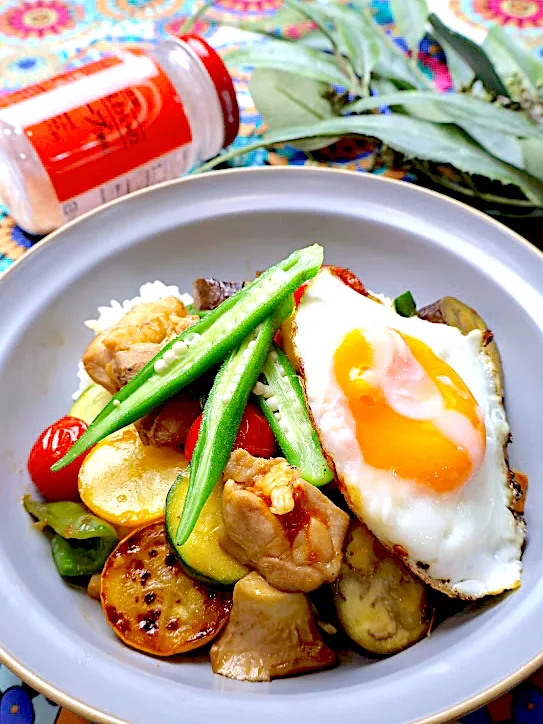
{"x":108,"y":316}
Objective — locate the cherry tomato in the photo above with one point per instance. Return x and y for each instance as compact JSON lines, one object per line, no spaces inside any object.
{"x":345,"y":275}
{"x":299,"y":293}
{"x":51,"y":445}
{"x":255,"y":435}
{"x":348,"y":278}
{"x":170,"y":424}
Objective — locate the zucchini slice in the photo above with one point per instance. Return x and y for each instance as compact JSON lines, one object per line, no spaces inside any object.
{"x":202,"y":556}
{"x":91,"y":403}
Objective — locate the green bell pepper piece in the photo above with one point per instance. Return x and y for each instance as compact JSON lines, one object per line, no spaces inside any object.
{"x":405,"y":305}
{"x":81,"y":542}
{"x":80,"y":557}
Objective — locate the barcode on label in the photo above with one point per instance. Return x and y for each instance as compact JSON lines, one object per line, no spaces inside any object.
{"x":166,"y":168}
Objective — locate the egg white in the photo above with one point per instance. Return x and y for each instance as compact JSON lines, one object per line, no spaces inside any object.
{"x":466,"y":542}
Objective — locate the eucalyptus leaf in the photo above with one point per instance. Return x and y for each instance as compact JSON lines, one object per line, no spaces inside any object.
{"x":411,"y":136}
{"x":532,"y":152}
{"x":461,"y":72}
{"x":313,"y":12}
{"x":503,"y":146}
{"x":270,"y":24}
{"x":357,"y":39}
{"x":282,"y":55}
{"x":410,"y":17}
{"x":473,"y":54}
{"x":458,"y":107}
{"x":286,"y":99}
{"x":392,"y":62}
{"x":506,"y":147}
{"x":511,"y":57}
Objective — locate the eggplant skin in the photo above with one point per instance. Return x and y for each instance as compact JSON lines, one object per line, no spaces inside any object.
{"x":380,"y":603}
{"x":209,"y":293}
{"x":451,"y":311}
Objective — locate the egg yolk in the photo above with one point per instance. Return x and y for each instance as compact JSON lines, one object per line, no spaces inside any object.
{"x":414,"y":415}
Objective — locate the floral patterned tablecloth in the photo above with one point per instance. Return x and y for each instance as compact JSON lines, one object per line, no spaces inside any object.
{"x":39,"y":38}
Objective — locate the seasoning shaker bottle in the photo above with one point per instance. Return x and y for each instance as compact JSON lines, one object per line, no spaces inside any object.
{"x":122,"y":123}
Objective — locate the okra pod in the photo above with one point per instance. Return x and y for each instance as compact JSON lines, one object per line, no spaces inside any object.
{"x":220,"y":422}
{"x":283,"y":403}
{"x":200,"y":347}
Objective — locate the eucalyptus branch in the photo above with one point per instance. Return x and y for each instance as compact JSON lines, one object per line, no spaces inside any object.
{"x":293,"y":87}
{"x":345,"y":63}
{"x":423,"y":80}
{"x":471,"y":191}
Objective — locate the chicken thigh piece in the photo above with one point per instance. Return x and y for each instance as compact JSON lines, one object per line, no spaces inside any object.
{"x":279,"y":524}
{"x":140,"y":333}
{"x":269,"y":634}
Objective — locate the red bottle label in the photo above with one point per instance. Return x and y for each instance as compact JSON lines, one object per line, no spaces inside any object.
{"x":100,"y":122}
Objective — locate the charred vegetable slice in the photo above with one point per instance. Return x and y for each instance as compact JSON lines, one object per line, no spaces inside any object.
{"x":381,"y":605}
{"x":200,"y":347}
{"x":202,"y":555}
{"x":455,"y":313}
{"x":282,"y":401}
{"x":405,"y":305}
{"x":151,"y":603}
{"x":81,"y":542}
{"x":220,"y":423}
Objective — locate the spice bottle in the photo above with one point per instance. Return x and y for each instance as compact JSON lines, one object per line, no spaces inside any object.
{"x":122,"y":123}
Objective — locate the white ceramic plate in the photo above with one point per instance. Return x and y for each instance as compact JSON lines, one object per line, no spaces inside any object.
{"x":394,"y":236}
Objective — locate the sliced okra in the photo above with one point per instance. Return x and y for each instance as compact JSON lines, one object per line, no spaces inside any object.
{"x":220,"y":422}
{"x":200,"y":347}
{"x":282,"y":401}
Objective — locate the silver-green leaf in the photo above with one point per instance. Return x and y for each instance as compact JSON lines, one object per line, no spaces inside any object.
{"x":458,"y":107}
{"x":503,"y":146}
{"x":410,"y":17}
{"x":510,"y":57}
{"x":461,"y":72}
{"x":286,"y":99}
{"x":532,"y":152}
{"x":414,"y":138}
{"x":282,"y":55}
{"x":357,"y":39}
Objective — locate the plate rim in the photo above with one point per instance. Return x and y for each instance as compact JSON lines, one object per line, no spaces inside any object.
{"x":87,"y":711}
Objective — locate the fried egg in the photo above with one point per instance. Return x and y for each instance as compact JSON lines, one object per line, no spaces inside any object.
{"x":409,"y":414}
